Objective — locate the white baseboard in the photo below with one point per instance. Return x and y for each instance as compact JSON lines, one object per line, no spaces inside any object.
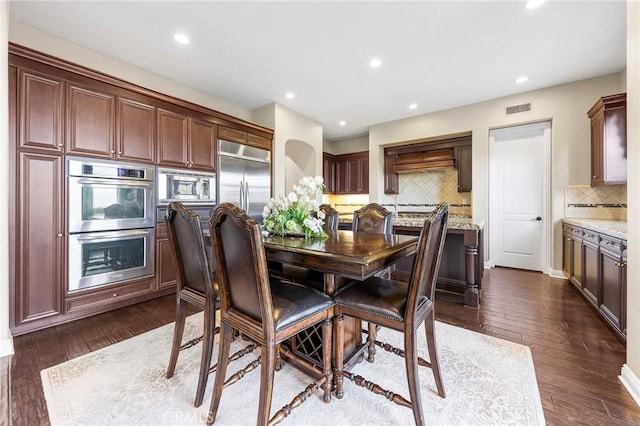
{"x":630,"y":382}
{"x":555,"y":273}
{"x":6,"y":347}
{"x":488,"y":265}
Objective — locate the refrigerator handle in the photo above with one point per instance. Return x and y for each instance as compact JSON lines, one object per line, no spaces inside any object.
{"x":246,"y":196}
{"x":242,"y":196}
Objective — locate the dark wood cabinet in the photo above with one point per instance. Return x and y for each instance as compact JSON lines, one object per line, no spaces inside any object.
{"x":41,"y":110}
{"x":591,"y":279}
{"x":595,"y":264}
{"x":39,"y":247}
{"x":352,"y":173}
{"x":90,"y":122}
{"x":165,"y":266}
{"x":391,"y":178}
{"x":245,"y":138}
{"x":613,"y":278}
{"x":329,"y":172}
{"x":463,"y":164}
{"x":136,"y":131}
{"x":609,"y":140}
{"x":185,"y":141}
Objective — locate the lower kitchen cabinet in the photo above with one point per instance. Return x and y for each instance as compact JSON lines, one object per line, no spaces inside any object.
{"x":165,"y":266}
{"x":595,"y":264}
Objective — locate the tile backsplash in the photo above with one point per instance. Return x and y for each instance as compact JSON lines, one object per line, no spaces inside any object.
{"x":422,"y":191}
{"x":598,"y":202}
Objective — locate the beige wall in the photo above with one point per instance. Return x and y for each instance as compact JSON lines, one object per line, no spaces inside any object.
{"x":346,"y":146}
{"x":291,"y":128}
{"x":565,"y":105}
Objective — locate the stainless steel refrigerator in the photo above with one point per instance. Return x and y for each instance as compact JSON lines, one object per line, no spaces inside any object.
{"x":244,"y":177}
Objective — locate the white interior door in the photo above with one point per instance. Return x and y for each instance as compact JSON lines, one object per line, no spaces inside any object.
{"x":518,"y":187}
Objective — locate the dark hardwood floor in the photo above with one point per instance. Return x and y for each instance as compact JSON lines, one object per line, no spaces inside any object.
{"x":577,"y":358}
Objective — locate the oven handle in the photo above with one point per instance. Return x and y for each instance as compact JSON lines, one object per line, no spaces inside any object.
{"x":111,"y":236}
{"x":115,"y":182}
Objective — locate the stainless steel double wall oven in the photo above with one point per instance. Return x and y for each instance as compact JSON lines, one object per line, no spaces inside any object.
{"x":111,"y":219}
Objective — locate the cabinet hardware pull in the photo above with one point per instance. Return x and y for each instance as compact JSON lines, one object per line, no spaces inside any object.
{"x":59,"y":235}
{"x":60,"y":145}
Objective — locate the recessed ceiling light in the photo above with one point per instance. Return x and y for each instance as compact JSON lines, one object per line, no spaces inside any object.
{"x":413,"y":106}
{"x":375,"y":62}
{"x":181,"y":38}
{"x":522,"y":79}
{"x":532,"y":4}
{"x":290,"y":95}
{"x":343,"y":123}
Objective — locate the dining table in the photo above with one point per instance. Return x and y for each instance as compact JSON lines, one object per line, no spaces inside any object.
{"x":342,"y":257}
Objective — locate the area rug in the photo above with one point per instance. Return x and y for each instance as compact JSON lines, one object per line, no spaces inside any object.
{"x":488,"y":381}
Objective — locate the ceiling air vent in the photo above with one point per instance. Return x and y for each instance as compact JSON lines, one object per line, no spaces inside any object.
{"x":517,"y":109}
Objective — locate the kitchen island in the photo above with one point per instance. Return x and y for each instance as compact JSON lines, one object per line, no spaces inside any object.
{"x":462,"y":264}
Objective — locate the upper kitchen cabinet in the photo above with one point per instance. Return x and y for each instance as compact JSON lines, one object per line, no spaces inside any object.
{"x":329,"y":172}
{"x":101,"y":124}
{"x":244,"y":138}
{"x":609,"y":140}
{"x":352,"y":173}
{"x":391,"y":178}
{"x":462,"y":156}
{"x":185,"y":141}
{"x":40,"y":102}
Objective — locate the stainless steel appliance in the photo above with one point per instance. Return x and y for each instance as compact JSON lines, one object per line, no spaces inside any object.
{"x":101,"y":258}
{"x":244,"y":177}
{"x":188,"y":187}
{"x":109,"y":195}
{"x":111,"y":219}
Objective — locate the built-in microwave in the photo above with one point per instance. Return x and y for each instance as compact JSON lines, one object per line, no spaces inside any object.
{"x":188,"y":187}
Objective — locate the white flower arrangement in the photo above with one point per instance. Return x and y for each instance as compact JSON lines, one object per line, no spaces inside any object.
{"x":297,"y":213}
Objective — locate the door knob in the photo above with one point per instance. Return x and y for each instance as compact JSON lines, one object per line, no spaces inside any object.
{"x":536,"y":219}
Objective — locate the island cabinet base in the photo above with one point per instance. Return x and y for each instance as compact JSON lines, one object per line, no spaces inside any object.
{"x":461,"y":265}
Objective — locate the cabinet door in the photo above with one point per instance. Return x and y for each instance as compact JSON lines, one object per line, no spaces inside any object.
{"x":202,"y":145}
{"x":364,"y":176}
{"x":40,"y":102}
{"x":39,"y":252}
{"x":597,"y":149}
{"x":612,"y":273}
{"x":259,"y":141}
{"x":328,"y":172}
{"x":90,"y":122}
{"x":391,"y":179}
{"x":567,"y":252}
{"x":463,"y":164}
{"x":165,"y":265}
{"x":342,"y":176}
{"x":172,"y":139}
{"x":591,"y":279}
{"x":353,"y":175}
{"x":136,"y":131}
{"x":578,"y":254}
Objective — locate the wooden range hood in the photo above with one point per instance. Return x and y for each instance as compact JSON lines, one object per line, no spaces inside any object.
{"x":424,"y":160}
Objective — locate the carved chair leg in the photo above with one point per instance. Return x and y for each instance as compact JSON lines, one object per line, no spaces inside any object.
{"x":267,"y":370}
{"x":411,"y":362}
{"x":226,"y":335}
{"x":339,"y":353}
{"x":278,"y":364}
{"x":207,"y":351}
{"x":178,"y":331}
{"x":371,"y":339}
{"x":433,"y":353}
{"x":327,"y":333}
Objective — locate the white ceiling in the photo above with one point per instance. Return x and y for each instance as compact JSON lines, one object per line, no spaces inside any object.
{"x":437,"y":54}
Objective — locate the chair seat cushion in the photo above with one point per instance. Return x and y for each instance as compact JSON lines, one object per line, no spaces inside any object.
{"x":376,"y":296}
{"x":293,"y":303}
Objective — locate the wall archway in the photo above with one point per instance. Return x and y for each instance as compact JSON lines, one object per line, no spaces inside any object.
{"x":300,"y":161}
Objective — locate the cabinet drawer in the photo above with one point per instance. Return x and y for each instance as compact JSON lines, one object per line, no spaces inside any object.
{"x":161,"y":231}
{"x":109,"y":296}
{"x":611,"y":244}
{"x":574,"y":231}
{"x":591,"y":237}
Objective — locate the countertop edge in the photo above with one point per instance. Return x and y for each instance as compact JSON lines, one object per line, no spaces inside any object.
{"x":613,"y":228}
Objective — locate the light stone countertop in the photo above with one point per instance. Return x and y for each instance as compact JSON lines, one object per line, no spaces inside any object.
{"x":455,"y":222}
{"x":614,"y":228}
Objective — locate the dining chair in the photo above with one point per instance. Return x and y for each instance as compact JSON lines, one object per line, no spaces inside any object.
{"x":401,"y":306}
{"x":195,"y":286}
{"x":374,"y":218}
{"x":265,"y":310}
{"x":331,"y":218}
